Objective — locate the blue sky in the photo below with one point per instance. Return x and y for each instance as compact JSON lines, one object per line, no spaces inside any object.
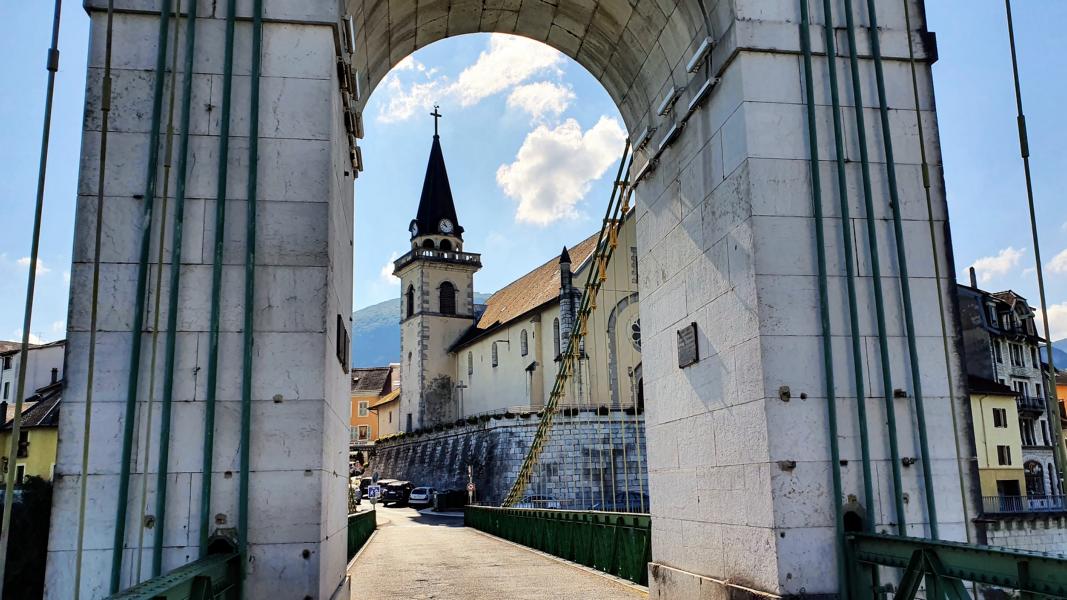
{"x":511,"y":128}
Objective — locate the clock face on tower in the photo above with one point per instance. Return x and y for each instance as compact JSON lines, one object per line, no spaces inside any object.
{"x":414,"y":228}
{"x":445,"y":226}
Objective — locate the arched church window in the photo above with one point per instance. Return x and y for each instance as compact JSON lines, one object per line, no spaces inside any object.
{"x":524,"y":343}
{"x":470,"y":364}
{"x":448,"y":298}
{"x":427,"y":244}
{"x":410,"y":301}
{"x":555,"y":335}
{"x":496,"y":359}
{"x":445,"y":245}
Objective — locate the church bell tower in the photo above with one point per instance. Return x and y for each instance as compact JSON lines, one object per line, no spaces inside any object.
{"x":437,"y":299}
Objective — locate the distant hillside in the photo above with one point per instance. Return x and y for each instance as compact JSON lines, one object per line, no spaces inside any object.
{"x":1059,"y":354}
{"x":376,"y":333}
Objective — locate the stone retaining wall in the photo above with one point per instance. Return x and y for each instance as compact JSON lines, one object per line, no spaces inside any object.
{"x":587,"y":459}
{"x":1040,"y":533}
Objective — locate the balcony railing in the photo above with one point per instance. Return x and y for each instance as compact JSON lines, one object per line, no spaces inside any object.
{"x":452,"y":256}
{"x":1023,"y":504}
{"x":1026,"y":402}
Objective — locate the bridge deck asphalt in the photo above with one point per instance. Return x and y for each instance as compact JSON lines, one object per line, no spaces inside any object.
{"x":414,"y":556}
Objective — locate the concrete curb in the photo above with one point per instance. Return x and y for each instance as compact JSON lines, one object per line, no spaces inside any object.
{"x":430,"y":512}
{"x":616,"y":580}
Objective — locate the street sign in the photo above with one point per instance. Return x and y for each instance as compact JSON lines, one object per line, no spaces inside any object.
{"x":374,"y":492}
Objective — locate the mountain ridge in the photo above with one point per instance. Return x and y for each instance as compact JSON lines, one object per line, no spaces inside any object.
{"x":376,"y":332}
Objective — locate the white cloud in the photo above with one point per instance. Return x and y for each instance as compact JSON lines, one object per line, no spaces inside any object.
{"x":34,"y":338}
{"x":24,"y":262}
{"x":507,"y":62}
{"x":403,"y":103}
{"x":386,"y":272}
{"x":1058,"y":264}
{"x":59,"y":326}
{"x":66,"y":276}
{"x":1057,"y":321}
{"x":541,"y":99}
{"x":555,"y":168}
{"x":989,"y":267}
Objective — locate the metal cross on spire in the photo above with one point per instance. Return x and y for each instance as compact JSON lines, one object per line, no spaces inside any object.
{"x":436,"y":114}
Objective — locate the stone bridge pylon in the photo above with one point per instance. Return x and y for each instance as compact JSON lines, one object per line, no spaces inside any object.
{"x":714,"y":97}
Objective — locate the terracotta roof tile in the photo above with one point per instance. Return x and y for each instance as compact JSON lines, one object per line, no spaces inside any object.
{"x":373,"y":379}
{"x":532,"y":289}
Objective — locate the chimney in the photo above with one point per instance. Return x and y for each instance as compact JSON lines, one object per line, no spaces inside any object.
{"x":974,"y":278}
{"x":55,"y":374}
{"x":3,"y":413}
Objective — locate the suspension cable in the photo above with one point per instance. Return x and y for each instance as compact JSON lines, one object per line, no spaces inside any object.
{"x":166,"y":407}
{"x":250,"y":271}
{"x":146,"y":412}
{"x":216,"y":282}
{"x":52,"y":66}
{"x":824,"y":311}
{"x":847,"y":242}
{"x":122,"y":496}
{"x":1051,"y":401}
{"x":105,"y":113}
{"x":925,"y":167}
{"x":905,"y":279}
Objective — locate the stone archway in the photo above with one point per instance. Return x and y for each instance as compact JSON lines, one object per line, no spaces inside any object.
{"x":724,"y":228}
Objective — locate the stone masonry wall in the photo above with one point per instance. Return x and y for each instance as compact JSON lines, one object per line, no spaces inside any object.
{"x":588,"y":458}
{"x":1038,"y":533}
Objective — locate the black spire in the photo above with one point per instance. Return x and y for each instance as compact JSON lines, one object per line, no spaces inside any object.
{"x":436,"y":205}
{"x":564,"y":257}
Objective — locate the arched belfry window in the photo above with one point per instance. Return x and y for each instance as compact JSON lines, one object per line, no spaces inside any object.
{"x":445,"y":245}
{"x":555,"y":335}
{"x":409,"y":301}
{"x":524,"y":343}
{"x":427,"y":244}
{"x":448,"y":298}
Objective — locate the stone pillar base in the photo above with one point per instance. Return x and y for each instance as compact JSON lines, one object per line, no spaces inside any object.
{"x":668,"y":583}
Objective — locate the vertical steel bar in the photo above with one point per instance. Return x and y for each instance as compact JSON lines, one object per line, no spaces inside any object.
{"x":138,"y":313}
{"x":105,"y":114}
{"x":52,"y":65}
{"x":250,"y":271}
{"x":876,"y":276}
{"x":1051,"y":402}
{"x":146,"y":412}
{"x":824,"y":310}
{"x":216,"y":282}
{"x":166,"y":406}
{"x":905,"y":282}
{"x":847,"y":242}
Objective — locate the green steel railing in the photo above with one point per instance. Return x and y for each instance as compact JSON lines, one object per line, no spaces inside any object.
{"x":941,"y":569}
{"x":616,"y":543}
{"x":214,"y":577}
{"x":360,"y":528}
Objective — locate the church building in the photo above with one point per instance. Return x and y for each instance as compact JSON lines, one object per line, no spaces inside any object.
{"x":459,"y":359}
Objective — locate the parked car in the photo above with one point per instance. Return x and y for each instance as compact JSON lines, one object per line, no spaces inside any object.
{"x":539,"y":502}
{"x":632,"y":502}
{"x":364,"y":483}
{"x":421,"y":496}
{"x":396,"y":492}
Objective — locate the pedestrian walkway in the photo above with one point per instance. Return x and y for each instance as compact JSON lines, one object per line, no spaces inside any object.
{"x":423,"y":556}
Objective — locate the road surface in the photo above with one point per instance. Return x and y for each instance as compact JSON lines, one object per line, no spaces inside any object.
{"x":417,"y":557}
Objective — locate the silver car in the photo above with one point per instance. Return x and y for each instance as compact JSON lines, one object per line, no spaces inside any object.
{"x":421,"y":496}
